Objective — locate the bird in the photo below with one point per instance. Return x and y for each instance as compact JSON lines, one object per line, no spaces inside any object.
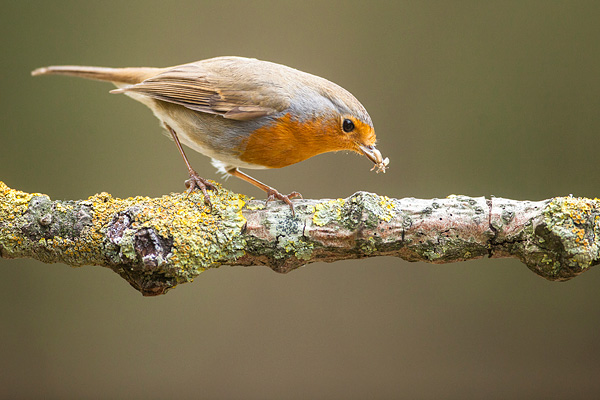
{"x":244,"y":113}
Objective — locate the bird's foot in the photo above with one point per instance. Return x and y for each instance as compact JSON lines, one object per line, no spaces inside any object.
{"x":197,"y":182}
{"x":273,"y":194}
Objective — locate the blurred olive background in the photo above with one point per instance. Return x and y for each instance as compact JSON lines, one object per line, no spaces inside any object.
{"x":468,"y":97}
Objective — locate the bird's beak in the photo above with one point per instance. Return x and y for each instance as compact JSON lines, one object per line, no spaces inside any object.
{"x":374,"y":155}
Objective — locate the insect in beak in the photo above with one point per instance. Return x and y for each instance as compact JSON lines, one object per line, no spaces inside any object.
{"x":374,"y":155}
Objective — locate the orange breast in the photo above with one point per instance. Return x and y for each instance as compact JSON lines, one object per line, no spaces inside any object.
{"x":287,"y":141}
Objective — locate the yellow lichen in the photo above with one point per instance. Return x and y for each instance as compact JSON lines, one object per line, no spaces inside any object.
{"x":388,"y":208}
{"x":200,"y":237}
{"x":573,"y":219}
{"x":328,"y":211}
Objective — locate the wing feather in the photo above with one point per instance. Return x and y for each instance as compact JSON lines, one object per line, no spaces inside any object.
{"x":229,"y":95}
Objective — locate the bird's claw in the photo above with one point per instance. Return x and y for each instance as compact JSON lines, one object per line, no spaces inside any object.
{"x":273,"y":194}
{"x":197,"y":182}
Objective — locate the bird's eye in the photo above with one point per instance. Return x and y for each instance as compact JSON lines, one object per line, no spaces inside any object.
{"x":347,"y":125}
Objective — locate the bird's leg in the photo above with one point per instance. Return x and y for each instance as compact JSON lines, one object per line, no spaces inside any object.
{"x":195,"y":181}
{"x":272,"y":193}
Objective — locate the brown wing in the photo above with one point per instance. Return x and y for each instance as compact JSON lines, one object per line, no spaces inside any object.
{"x":213,"y":92}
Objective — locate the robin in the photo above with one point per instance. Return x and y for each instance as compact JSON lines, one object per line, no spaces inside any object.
{"x":244,"y":113}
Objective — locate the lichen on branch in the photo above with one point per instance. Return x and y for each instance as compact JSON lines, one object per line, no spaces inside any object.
{"x":158,"y":243}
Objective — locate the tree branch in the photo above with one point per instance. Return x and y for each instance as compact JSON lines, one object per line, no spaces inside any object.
{"x":156,"y":244}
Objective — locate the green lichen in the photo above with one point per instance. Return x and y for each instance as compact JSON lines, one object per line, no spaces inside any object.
{"x":373,"y":210}
{"x":367,"y":208}
{"x":126,"y":245}
{"x":442,"y":249}
{"x":300,"y":248}
{"x":255,"y":205}
{"x":30,"y":223}
{"x":201,"y":237}
{"x":362,"y":208}
{"x":13,"y":206}
{"x":368,"y":246}
{"x":385,"y":209}
{"x":432,"y":254}
{"x":575,"y":222}
{"x":77,"y":232}
{"x":290,"y":238}
{"x":328,"y":212}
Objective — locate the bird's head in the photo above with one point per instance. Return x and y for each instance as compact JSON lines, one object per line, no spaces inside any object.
{"x":322,"y":117}
{"x":353,"y":126}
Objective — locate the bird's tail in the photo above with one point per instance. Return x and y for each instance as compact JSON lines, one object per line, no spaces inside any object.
{"x":116,"y":75}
